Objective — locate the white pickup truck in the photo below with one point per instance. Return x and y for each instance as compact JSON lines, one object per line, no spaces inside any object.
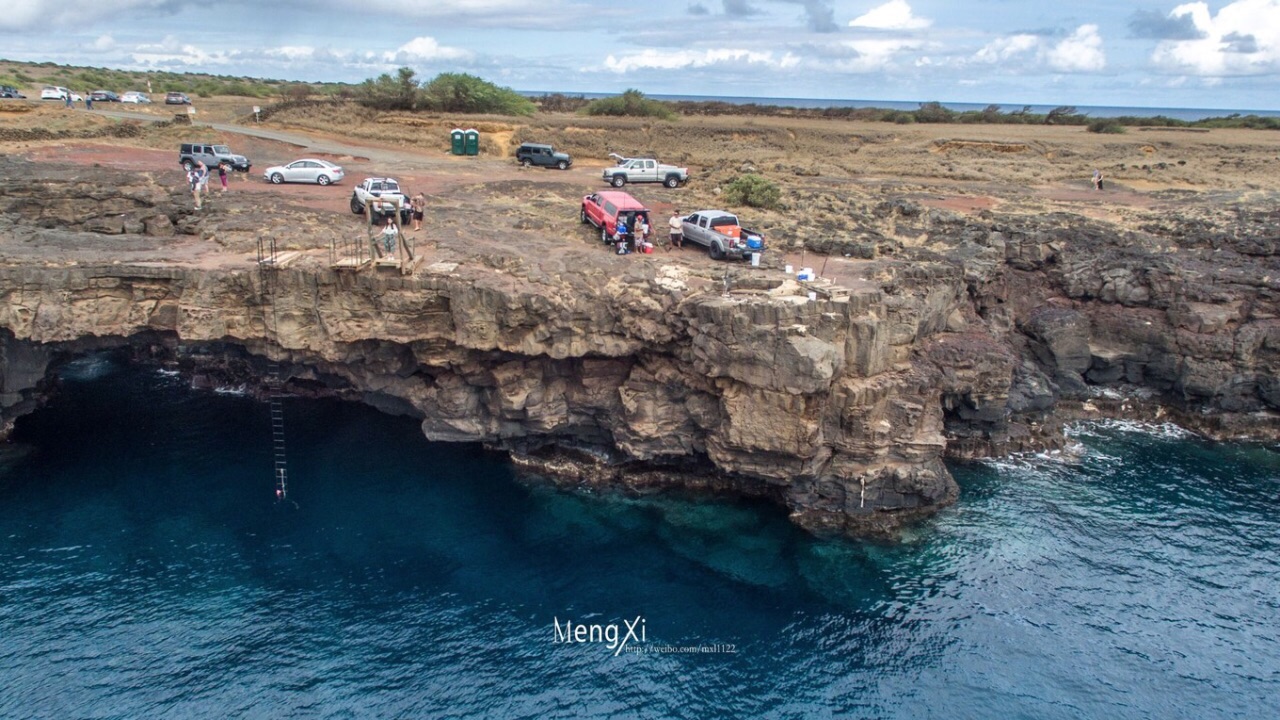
{"x":643,"y":170}
{"x":381,"y":188}
{"x":721,"y":234}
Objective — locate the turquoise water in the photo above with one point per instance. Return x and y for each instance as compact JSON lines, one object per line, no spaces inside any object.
{"x":145,"y":572}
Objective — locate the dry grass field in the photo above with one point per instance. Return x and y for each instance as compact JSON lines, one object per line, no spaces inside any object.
{"x":837,"y":177}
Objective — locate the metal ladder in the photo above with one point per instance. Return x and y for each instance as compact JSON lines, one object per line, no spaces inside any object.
{"x":268,"y":266}
{"x":279,"y":460}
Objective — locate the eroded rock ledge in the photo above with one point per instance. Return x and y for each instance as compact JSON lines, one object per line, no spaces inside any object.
{"x":977,"y":340}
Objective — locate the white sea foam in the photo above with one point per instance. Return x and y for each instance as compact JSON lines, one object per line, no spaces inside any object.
{"x":1096,"y":428}
{"x":238,"y":390}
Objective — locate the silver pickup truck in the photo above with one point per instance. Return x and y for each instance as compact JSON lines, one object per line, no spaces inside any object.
{"x":643,"y":170}
{"x":721,"y":234}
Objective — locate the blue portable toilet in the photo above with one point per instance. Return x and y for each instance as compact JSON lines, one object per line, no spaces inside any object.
{"x":458,"y":145}
{"x":473,"y":141}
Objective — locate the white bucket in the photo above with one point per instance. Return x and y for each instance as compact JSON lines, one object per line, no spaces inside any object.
{"x":812,"y":296}
{"x":755,"y":259}
{"x":788,"y":270}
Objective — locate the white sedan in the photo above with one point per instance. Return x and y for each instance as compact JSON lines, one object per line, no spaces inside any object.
{"x":135,"y":97}
{"x":305,"y":170}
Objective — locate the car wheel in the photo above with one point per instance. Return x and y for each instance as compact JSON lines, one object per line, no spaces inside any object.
{"x":562,"y":165}
{"x":323,"y":180}
{"x":357,"y":207}
{"x":187,"y":165}
{"x":524,"y":162}
{"x":714,"y":250}
{"x":276,"y":178}
{"x":619,"y":180}
{"x":582,"y":215}
{"x":671,"y":181}
{"x":604,"y":235}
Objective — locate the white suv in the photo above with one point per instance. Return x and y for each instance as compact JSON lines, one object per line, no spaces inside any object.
{"x":52,"y":92}
{"x":135,"y":97}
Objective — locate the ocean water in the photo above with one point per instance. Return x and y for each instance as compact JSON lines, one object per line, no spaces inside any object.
{"x":146,"y":572}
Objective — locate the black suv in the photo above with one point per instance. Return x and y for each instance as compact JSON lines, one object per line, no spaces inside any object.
{"x":104,"y":96}
{"x":7,"y":91}
{"x":544,"y":155}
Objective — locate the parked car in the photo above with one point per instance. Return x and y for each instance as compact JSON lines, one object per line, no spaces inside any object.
{"x":381,"y":189}
{"x":54,"y":92}
{"x":211,"y":155}
{"x":305,"y":170}
{"x":135,"y":97}
{"x":176,"y":98}
{"x":104,"y":96}
{"x":543,"y":155}
{"x":603,"y":209}
{"x":8,"y":91}
{"x":644,"y":170}
{"x":721,"y":234}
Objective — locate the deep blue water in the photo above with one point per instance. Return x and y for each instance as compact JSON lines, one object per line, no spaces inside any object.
{"x":1095,"y":111}
{"x":145,"y":572}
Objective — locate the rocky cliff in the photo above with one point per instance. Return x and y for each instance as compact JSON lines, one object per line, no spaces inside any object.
{"x":978,"y":337}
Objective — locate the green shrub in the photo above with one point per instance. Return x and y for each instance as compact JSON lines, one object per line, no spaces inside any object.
{"x":1105,"y":125}
{"x":631,"y":103}
{"x":752,"y":190}
{"x":460,"y":92}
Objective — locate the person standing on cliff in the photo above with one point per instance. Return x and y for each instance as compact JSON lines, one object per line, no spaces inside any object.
{"x":1097,"y":179}
{"x":419,"y":207}
{"x":389,"y":234}
{"x":222,"y":175}
{"x":676,"y":223}
{"x":193,"y":179}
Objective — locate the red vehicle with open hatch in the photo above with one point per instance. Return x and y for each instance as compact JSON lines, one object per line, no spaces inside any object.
{"x":603,"y":209}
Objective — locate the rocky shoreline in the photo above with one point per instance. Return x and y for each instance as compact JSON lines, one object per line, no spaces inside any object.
{"x":978,"y":336}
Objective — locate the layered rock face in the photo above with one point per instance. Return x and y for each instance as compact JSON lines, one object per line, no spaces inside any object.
{"x":978,"y":341}
{"x":817,"y":404}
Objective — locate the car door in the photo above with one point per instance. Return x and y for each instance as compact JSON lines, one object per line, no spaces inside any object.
{"x":299,"y":172}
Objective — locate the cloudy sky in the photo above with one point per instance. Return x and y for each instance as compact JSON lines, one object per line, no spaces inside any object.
{"x":1146,"y":53}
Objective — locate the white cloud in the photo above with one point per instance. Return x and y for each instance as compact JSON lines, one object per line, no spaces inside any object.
{"x":104,"y":43}
{"x":1242,"y":39}
{"x":874,"y":55}
{"x":421,"y":49}
{"x":24,"y":14}
{"x":1082,"y":52}
{"x":666,"y":60}
{"x":893,"y":15}
{"x":1004,"y":48}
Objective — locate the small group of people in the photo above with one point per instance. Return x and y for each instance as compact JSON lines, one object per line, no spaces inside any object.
{"x":88,"y":100}
{"x":198,"y":179}
{"x":384,"y":245}
{"x":631,"y":233}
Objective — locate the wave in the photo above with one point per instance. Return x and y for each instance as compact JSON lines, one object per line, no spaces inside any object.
{"x":1099,"y":428}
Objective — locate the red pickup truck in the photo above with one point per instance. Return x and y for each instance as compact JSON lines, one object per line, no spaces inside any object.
{"x":602,"y":209}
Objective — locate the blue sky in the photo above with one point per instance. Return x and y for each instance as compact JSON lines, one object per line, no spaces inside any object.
{"x":1147,"y":53}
